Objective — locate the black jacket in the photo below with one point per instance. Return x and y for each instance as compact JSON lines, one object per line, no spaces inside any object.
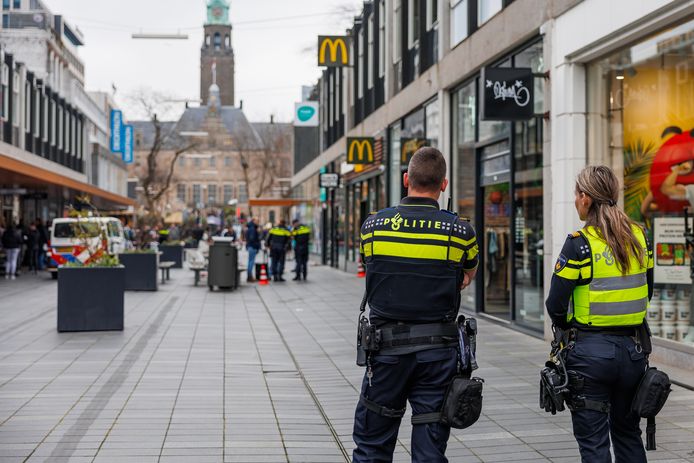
{"x":11,"y":239}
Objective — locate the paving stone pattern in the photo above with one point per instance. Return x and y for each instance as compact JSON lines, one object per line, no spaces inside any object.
{"x":261,"y":374}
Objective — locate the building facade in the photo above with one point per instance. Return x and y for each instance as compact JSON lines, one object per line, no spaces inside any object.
{"x":417,"y":76}
{"x":50,"y":124}
{"x":221,"y":164}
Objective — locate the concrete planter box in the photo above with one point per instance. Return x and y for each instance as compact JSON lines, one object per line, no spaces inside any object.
{"x":90,"y":298}
{"x":140,"y":270}
{"x":172,"y":253}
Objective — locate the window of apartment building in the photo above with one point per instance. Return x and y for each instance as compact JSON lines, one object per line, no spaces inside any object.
{"x":432,"y":13}
{"x":37,"y":113}
{"x":44,"y":126}
{"x":61,"y":127}
{"x":5,"y":87}
{"x":27,"y":107}
{"x":359,"y":78}
{"x":68,"y":131}
{"x":370,"y":53}
{"x":413,"y":22}
{"x":181,"y":192}
{"x":486,"y":9}
{"x":243,"y":193}
{"x":213,"y":161}
{"x":211,"y":194}
{"x":228,"y":193}
{"x":17,"y":4}
{"x":5,"y":4}
{"x":459,"y":21}
{"x":196,"y":194}
{"x":431,"y":122}
{"x":15,"y":99}
{"x":397,"y":30}
{"x":381,"y":38}
{"x":227,"y":161}
{"x":54,"y":123}
{"x":196,"y":162}
{"x":182,"y":161}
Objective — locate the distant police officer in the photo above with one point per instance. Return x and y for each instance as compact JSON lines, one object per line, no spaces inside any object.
{"x":606,"y":271}
{"x":301,"y":234}
{"x":278,"y":240}
{"x":417,"y":258}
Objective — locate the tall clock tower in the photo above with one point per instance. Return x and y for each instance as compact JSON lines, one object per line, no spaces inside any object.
{"x":217,"y":55}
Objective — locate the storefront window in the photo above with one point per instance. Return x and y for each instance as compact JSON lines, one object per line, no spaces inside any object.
{"x":431,"y":114}
{"x":395,"y":173}
{"x":640,"y":103}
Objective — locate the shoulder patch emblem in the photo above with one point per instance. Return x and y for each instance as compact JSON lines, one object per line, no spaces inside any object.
{"x":561,"y":263}
{"x":575,"y":235}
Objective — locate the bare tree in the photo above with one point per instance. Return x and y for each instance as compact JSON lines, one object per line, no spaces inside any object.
{"x":158,"y":171}
{"x":261,"y":160}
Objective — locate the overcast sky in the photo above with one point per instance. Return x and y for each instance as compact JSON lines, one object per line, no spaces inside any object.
{"x":274,"y":45}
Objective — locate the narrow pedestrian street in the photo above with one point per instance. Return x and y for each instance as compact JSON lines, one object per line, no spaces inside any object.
{"x":260,"y":374}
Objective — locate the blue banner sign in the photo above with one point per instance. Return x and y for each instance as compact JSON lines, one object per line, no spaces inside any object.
{"x":128,"y":144}
{"x":116,"y":131}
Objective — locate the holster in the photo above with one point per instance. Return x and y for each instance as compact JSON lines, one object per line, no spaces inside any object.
{"x":643,"y":335}
{"x":462,"y":404}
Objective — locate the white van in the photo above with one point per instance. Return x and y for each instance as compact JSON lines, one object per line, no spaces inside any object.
{"x":65,"y":246}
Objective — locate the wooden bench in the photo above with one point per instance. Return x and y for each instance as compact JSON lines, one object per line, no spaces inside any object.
{"x":165,"y":267}
{"x":197,"y":269}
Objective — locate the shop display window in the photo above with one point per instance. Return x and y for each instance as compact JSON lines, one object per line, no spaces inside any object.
{"x":640,"y":123}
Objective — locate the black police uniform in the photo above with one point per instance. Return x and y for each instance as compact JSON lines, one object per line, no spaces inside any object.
{"x":607,"y":363}
{"x":278,"y":241}
{"x":415,"y":256}
{"x":302,"y":235}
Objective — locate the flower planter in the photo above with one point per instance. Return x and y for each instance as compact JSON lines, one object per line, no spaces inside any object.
{"x":90,"y":298}
{"x":140,"y":270}
{"x":172,"y":253}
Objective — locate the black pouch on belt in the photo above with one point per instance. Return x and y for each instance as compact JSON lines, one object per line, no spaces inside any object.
{"x":650,"y":398}
{"x":462,"y":404}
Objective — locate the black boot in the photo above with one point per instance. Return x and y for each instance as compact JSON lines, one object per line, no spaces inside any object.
{"x":296,"y":278}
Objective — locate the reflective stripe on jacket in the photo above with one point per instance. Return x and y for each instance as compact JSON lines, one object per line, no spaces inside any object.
{"x":610,"y":298}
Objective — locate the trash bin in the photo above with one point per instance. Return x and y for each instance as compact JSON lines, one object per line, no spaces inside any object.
{"x":222,"y":269}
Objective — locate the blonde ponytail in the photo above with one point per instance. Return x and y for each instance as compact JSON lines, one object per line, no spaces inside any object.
{"x":610,"y":222}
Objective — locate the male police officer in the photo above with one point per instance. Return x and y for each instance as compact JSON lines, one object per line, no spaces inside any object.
{"x":278,"y":240}
{"x":418,"y":258}
{"x":302,"y":235}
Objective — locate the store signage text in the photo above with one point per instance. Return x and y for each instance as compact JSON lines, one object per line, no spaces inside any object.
{"x":329,"y":180}
{"x":508,"y":94}
{"x":360,"y":150}
{"x":128,"y":144}
{"x":306,"y":114}
{"x":333,"y":50}
{"x":116,"y":131}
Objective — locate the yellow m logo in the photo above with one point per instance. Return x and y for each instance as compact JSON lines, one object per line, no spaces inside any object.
{"x":360,"y":150}
{"x":332,"y":45}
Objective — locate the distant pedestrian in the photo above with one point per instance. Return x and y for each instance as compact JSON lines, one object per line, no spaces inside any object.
{"x":253,"y":246}
{"x":278,"y":240}
{"x":32,"y":243}
{"x":301,"y":234}
{"x":11,"y":242}
{"x":43,"y":242}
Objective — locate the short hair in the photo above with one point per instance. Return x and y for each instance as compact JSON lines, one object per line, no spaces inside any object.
{"x":427,"y":169}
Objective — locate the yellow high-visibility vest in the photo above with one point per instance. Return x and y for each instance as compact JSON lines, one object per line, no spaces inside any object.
{"x":612,"y":298}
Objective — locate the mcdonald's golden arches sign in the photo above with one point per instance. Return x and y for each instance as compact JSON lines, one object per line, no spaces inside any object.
{"x":334,"y":50}
{"x":360,"y":150}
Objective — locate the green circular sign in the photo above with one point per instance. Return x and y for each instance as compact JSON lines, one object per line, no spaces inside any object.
{"x":304,"y":113}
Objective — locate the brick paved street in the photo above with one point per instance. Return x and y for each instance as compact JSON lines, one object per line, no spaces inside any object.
{"x":260,"y":374}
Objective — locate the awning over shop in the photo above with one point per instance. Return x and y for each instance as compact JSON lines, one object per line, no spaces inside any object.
{"x":21,"y":174}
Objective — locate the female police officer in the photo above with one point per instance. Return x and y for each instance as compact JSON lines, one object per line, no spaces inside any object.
{"x":606,"y":271}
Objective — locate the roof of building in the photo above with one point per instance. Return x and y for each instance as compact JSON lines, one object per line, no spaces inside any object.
{"x":269,"y":130}
{"x":146,"y":128}
{"x":243,"y":133}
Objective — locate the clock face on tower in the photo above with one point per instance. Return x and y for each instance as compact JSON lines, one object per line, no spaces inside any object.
{"x":217,"y":12}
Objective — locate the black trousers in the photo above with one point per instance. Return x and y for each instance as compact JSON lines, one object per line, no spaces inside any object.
{"x":301,"y":256}
{"x":420,"y":378}
{"x":611,"y":367}
{"x":277,"y":262}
